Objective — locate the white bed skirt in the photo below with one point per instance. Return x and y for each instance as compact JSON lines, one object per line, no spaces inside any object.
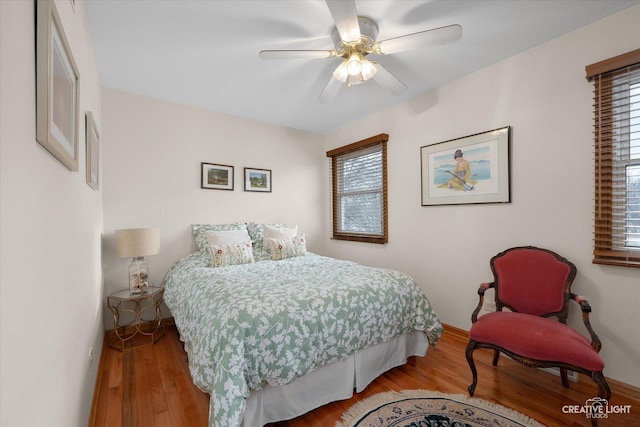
{"x":332,"y":382}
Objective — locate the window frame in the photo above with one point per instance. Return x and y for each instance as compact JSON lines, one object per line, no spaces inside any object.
{"x":612,"y":213}
{"x":363,"y":147}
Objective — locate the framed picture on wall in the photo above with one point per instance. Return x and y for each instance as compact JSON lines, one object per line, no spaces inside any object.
{"x":468,"y":170}
{"x":257,"y":180}
{"x":216,"y":177}
{"x":57,"y":88}
{"x":92,"y":139}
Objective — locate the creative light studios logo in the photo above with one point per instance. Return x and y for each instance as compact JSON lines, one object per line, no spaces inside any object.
{"x":596,"y":408}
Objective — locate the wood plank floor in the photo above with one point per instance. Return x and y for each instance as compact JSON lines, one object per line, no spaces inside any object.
{"x":151,"y":386}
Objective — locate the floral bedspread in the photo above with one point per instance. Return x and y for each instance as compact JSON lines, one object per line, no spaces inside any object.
{"x":269,"y":322}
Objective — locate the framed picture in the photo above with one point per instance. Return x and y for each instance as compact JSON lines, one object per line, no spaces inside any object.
{"x":92,"y":139}
{"x":472,"y":169}
{"x":216,"y":177}
{"x":257,"y":180}
{"x":57,"y":88}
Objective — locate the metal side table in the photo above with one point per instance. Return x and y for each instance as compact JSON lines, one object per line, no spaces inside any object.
{"x":136,"y":318}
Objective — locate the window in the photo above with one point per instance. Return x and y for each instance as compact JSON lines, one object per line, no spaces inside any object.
{"x":617,"y":159}
{"x":359,"y":187}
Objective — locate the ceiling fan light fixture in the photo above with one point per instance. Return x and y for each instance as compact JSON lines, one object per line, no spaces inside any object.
{"x":341,"y":73}
{"x":355,"y":80}
{"x":354,"y":64}
{"x":368,"y":69}
{"x":354,"y":38}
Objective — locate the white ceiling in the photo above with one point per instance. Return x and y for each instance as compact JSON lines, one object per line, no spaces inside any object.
{"x":204,"y":53}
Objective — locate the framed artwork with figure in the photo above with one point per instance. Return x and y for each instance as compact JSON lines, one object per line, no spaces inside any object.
{"x":468,"y":170}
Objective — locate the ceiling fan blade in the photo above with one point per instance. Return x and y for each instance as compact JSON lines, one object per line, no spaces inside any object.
{"x":330,"y":90}
{"x":293,"y":54}
{"x":345,"y":16}
{"x":388,"y":80}
{"x":450,"y":33}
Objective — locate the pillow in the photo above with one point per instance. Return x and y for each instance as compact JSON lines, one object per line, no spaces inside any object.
{"x":199,"y":231}
{"x":279,"y":231}
{"x":227,"y":236}
{"x":287,"y":247}
{"x":257,"y":233}
{"x":232,"y":253}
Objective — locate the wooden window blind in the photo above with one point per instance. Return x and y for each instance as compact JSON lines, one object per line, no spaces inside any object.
{"x":617,"y":159}
{"x":359,"y":190}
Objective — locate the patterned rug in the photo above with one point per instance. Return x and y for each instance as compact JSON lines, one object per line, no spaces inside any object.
{"x":426,"y":408}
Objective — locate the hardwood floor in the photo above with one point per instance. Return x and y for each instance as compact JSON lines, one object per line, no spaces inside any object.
{"x":151,"y":386}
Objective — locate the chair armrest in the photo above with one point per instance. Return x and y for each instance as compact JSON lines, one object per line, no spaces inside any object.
{"x":586,"y":309}
{"x":584,"y":304}
{"x":484,"y":286}
{"x":481,"y":290}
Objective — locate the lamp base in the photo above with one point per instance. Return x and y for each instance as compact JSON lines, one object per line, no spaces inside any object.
{"x":138,"y":276}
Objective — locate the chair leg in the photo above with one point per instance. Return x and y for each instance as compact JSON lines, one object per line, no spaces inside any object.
{"x":474,"y":372}
{"x":603,"y":388}
{"x":564,"y":377}
{"x":496,"y":356}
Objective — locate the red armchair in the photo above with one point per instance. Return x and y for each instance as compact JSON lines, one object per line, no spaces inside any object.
{"x":534,"y":285}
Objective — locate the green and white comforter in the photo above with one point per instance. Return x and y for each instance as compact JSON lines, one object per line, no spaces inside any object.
{"x":269,"y":322}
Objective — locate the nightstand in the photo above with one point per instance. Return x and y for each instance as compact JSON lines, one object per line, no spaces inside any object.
{"x":136,"y":318}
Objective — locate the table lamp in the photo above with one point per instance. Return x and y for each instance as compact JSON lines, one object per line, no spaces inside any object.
{"x":136,"y":243}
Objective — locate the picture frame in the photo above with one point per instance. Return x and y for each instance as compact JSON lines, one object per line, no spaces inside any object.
{"x":57,"y":88}
{"x":469,"y":170}
{"x":92,"y":142}
{"x":216,"y":177}
{"x":257,"y":180}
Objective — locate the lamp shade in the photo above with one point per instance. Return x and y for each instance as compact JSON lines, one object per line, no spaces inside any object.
{"x":137,"y":242}
{"x":368,"y":69}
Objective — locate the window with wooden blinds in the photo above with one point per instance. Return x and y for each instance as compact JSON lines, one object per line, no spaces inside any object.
{"x":359,"y":187}
{"x":617,"y":159}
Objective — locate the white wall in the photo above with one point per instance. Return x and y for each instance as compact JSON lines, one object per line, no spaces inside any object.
{"x":152,"y":155}
{"x":542,"y":93}
{"x":50,"y":248}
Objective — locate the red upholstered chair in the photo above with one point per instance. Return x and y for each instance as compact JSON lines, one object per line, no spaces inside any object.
{"x":534,"y":285}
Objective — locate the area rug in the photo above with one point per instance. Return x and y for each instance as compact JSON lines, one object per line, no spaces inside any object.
{"x":426,"y":408}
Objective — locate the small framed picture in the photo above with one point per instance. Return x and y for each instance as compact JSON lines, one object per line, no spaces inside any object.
{"x":93,"y":151}
{"x":257,"y":180}
{"x":216,"y":177}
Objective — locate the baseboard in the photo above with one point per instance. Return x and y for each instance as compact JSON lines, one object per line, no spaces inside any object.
{"x":94,"y":402}
{"x":460,"y":333}
{"x":571,"y":375}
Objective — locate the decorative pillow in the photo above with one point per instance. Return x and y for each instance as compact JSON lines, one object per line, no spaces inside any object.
{"x":199,"y":232}
{"x":257,"y":233}
{"x":287,"y":247}
{"x":231,"y":254}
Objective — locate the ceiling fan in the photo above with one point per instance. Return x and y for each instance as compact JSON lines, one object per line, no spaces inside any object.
{"x":355,"y":38}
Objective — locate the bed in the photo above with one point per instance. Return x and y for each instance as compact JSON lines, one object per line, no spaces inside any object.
{"x":282,"y":332}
